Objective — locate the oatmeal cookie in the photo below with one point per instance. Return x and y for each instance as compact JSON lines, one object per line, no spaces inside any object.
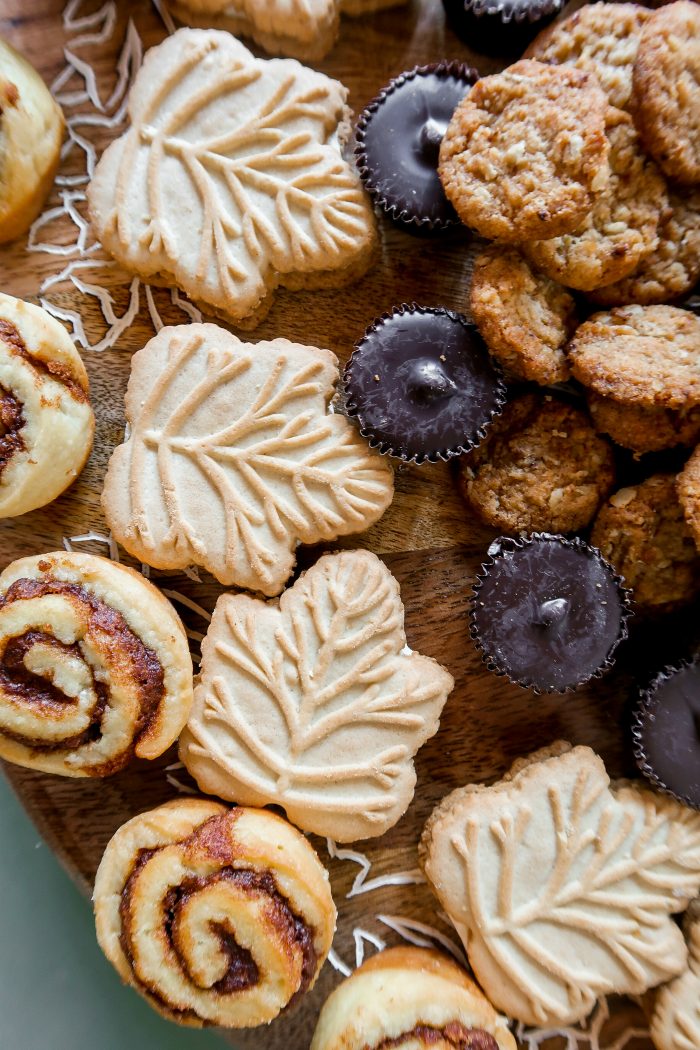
{"x":673,"y":267}
{"x":542,"y":468}
{"x":526,"y":152}
{"x":644,"y":429}
{"x":621,"y":229}
{"x":688,"y":488}
{"x":601,"y":39}
{"x":641,"y":531}
{"x":640,"y":355}
{"x":666,"y":94}
{"x":524,"y":317}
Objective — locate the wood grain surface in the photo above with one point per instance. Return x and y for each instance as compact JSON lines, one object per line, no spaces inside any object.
{"x":427,"y":538}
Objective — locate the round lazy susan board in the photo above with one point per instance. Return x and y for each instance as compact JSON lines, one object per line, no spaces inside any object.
{"x":89,"y":51}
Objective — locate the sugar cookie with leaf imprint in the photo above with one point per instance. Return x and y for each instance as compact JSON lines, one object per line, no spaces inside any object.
{"x":315,"y":704}
{"x":230,"y":180}
{"x":234,"y":457}
{"x":562,"y":885}
{"x":675,"y":1016}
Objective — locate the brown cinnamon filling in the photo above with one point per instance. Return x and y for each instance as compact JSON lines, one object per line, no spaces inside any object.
{"x":454,"y":1034}
{"x":140,"y":662}
{"x":11,"y":337}
{"x":12,"y":423}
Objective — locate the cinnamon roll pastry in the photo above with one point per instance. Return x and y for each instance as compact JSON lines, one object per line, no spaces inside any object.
{"x":94,"y":666}
{"x":410,"y":999}
{"x":46,"y":423}
{"x":216,"y":916}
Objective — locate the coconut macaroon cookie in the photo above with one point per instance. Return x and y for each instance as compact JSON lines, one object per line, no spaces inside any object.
{"x":46,"y":422}
{"x":31,"y":132}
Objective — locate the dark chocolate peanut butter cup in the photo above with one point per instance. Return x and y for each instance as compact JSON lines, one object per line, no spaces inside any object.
{"x":500,"y":27}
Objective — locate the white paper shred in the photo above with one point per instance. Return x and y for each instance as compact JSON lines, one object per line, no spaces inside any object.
{"x":422,"y":935}
{"x":361,"y":884}
{"x":70,"y":542}
{"x":586,"y":1036}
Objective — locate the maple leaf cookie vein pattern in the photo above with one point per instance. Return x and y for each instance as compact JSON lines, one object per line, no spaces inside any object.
{"x":233,"y":458}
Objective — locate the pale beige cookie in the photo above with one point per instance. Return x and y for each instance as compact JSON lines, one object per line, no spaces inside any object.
{"x":526,"y":152}
{"x":304,"y":29}
{"x":601,"y":39}
{"x":410,"y":999}
{"x":31,"y":132}
{"x":688,"y":488}
{"x":95,"y":667}
{"x":314,"y":704}
{"x":642,"y":429}
{"x":543,"y":873}
{"x":621,"y":229}
{"x":253,"y":161}
{"x":640,"y":355}
{"x":675,"y":1017}
{"x":666,"y":97}
{"x":524,"y":317}
{"x":673,"y":268}
{"x":234,"y":458}
{"x":46,"y":422}
{"x":216,"y":916}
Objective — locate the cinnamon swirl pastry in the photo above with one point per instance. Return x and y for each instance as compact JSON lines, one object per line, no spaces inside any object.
{"x":94,"y":666}
{"x":217,"y":916}
{"x":46,"y":423}
{"x":410,"y":999}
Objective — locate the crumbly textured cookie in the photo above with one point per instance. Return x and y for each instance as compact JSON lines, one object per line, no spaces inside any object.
{"x":688,"y":488}
{"x":542,"y":875}
{"x":675,"y":1018}
{"x":305,"y":29}
{"x":621,"y":228}
{"x":601,"y":39}
{"x":524,"y":317}
{"x":46,"y":421}
{"x":643,"y":429}
{"x":233,"y":458}
{"x":641,"y":531}
{"x":541,"y":468}
{"x":95,"y":667}
{"x":672,"y":269}
{"x":31,"y":132}
{"x":215,"y":916}
{"x":410,"y":999}
{"x":253,"y":160}
{"x":526,"y":152}
{"x":640,"y":355}
{"x":666,"y":97}
{"x":331,"y":733}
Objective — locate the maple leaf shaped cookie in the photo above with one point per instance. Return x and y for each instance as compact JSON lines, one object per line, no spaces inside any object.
{"x":315,"y":704}
{"x":233,"y":457}
{"x":230,"y":179}
{"x":675,"y":1018}
{"x":561,"y":885}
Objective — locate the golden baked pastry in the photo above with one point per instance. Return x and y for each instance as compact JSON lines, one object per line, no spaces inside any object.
{"x":46,"y":422}
{"x":94,"y":666}
{"x":31,"y":132}
{"x":216,"y":916}
{"x":408,"y":999}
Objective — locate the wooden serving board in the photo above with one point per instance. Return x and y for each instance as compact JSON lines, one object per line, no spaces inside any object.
{"x":427,"y":538}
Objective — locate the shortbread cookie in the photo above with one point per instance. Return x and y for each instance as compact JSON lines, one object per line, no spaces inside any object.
{"x":31,"y":132}
{"x":46,"y":422}
{"x":672,"y":269}
{"x":526,"y":152}
{"x":688,"y":488}
{"x":621,"y":229}
{"x":525,"y":318}
{"x":314,"y":704}
{"x":95,"y":667}
{"x":233,"y":458}
{"x":601,"y":39}
{"x":666,"y":99}
{"x":301,"y":28}
{"x":216,"y":916}
{"x":643,"y":429}
{"x":641,"y":531}
{"x":640,"y":355}
{"x":675,"y":1017}
{"x":562,"y":885}
{"x":542,"y":467}
{"x":410,"y":999}
{"x":253,"y":160}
